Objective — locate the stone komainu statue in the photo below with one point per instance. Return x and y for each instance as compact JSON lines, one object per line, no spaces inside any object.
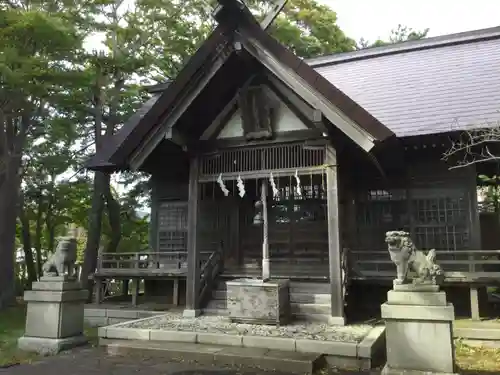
{"x":63,"y":259}
{"x":407,"y":257}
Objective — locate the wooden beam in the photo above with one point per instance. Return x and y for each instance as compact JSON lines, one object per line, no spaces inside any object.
{"x":354,"y":131}
{"x":311,"y":117}
{"x":278,"y":6}
{"x":334,"y":245}
{"x":218,"y":124}
{"x":193,"y":273}
{"x":190,"y":94}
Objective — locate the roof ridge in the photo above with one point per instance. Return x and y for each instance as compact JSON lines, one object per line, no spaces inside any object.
{"x":408,"y":46}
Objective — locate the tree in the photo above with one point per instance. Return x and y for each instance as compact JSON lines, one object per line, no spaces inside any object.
{"x":398,"y":35}
{"x":34,"y":45}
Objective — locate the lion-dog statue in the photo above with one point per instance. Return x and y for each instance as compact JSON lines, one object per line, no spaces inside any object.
{"x":407,"y":257}
{"x":63,"y":259}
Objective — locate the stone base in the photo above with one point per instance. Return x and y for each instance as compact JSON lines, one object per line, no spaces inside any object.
{"x":419,"y":336}
{"x":258,"y":302}
{"x":415,"y":287}
{"x":391,"y":371}
{"x":46,"y":346}
{"x":190,"y":313}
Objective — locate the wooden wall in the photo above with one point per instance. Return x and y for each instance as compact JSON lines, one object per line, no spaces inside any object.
{"x":438,"y":206}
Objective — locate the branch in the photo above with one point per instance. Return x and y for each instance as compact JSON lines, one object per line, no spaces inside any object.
{"x":475,"y":146}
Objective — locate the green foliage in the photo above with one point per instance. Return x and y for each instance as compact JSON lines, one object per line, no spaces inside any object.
{"x":398,"y":35}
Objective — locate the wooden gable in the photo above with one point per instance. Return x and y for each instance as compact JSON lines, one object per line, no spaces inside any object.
{"x":237,"y":49}
{"x":283,"y":119}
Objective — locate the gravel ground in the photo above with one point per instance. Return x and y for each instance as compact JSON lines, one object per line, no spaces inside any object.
{"x":218,"y":324}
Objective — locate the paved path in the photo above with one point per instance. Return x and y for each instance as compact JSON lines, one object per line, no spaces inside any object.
{"x":93,"y":361}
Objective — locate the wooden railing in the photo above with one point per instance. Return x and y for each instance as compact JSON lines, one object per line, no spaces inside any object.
{"x":459,"y":265}
{"x":145,"y":262}
{"x":209,"y":271}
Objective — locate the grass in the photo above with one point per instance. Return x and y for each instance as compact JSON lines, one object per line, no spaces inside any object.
{"x":477,"y":360}
{"x":12,"y":322}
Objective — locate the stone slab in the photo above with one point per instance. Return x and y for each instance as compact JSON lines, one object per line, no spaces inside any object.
{"x":347,"y":349}
{"x":391,"y":371}
{"x":122,"y":314}
{"x":47,"y":346}
{"x":175,"y":336}
{"x":269,"y":343}
{"x":56,"y":285}
{"x":95,"y":312}
{"x":373,"y":344}
{"x":416,"y":298}
{"x":114,"y":332}
{"x":289,"y":362}
{"x":58,"y":279}
{"x":476,"y":333}
{"x":415,"y":288}
{"x":189,"y":313}
{"x":335,"y":320}
{"x":55,"y":296}
{"x":220,"y":339}
{"x":409,"y":313}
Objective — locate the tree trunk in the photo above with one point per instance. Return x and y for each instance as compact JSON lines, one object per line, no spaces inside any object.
{"x":113,"y":208}
{"x":94,"y":232}
{"x":9,"y":194}
{"x":28,"y":253}
{"x":38,"y":234}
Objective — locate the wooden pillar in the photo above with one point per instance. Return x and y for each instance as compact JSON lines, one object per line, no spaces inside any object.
{"x":193,"y":259}
{"x":125,"y":287}
{"x":135,"y":295}
{"x":334,"y":246}
{"x":175,"y":292}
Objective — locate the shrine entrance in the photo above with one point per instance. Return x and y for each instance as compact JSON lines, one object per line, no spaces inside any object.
{"x":232,"y":217}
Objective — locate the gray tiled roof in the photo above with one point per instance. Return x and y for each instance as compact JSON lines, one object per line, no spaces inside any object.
{"x":430,"y":86}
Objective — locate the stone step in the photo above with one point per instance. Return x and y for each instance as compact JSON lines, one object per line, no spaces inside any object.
{"x":323,"y":299}
{"x":216,"y":304}
{"x":312,"y":318}
{"x":215,"y":312}
{"x":310,"y":308}
{"x":264,"y":359}
{"x":303,"y":287}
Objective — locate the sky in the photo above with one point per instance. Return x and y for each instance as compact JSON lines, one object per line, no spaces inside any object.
{"x":374,"y":19}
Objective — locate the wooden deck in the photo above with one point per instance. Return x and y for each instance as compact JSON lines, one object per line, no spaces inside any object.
{"x":480,"y":267}
{"x":145,"y":265}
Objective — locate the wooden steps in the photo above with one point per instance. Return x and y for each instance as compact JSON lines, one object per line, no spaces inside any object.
{"x":265,"y":359}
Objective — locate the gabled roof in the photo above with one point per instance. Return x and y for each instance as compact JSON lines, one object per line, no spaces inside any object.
{"x":215,"y":56}
{"x":430,"y":86}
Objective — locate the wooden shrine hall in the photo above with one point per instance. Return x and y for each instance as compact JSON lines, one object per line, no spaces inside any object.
{"x":256,"y":154}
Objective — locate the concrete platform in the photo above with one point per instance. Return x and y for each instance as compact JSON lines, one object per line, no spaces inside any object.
{"x":106,"y":314}
{"x":348,"y":347}
{"x":477,"y":330}
{"x":264,"y":359}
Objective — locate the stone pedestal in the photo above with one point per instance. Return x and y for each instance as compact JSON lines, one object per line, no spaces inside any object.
{"x":54,"y":319}
{"x":258,"y":302}
{"x":419,"y":335}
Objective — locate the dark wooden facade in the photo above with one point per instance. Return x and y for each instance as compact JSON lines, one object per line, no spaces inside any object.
{"x":357,"y":179}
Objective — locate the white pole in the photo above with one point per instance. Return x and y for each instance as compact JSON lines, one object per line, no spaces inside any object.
{"x":265,"y":242}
